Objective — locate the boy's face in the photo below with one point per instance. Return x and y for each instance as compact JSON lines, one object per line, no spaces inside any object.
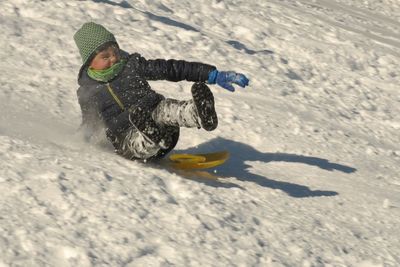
{"x":105,"y":58}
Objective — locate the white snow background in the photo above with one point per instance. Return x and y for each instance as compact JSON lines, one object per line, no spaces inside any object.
{"x":314,"y":173}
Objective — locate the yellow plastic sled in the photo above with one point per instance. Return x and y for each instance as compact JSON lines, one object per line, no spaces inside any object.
{"x":197,"y":161}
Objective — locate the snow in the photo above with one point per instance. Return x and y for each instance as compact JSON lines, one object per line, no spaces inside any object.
{"x":314,"y":176}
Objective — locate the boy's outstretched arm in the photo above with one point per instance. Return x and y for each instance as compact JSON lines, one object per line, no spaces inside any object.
{"x":171,"y":70}
{"x":179,"y":70}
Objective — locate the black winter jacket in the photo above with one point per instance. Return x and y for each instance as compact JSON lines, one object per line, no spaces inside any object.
{"x":100,"y":109}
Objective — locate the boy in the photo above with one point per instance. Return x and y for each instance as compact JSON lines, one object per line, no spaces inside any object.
{"x":115,"y":96}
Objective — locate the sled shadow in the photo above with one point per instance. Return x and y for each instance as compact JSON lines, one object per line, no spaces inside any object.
{"x":241,"y":153}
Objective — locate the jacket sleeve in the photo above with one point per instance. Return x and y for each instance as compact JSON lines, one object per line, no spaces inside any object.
{"x":173,"y":70}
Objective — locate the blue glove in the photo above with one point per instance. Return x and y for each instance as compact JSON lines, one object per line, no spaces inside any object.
{"x":226,"y":78}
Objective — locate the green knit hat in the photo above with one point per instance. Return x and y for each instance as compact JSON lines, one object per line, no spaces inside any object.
{"x":90,"y":37}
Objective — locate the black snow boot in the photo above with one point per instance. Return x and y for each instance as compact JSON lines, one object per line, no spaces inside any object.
{"x":204,"y":101}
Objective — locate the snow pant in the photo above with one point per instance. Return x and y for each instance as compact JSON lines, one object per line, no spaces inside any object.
{"x":169,"y":114}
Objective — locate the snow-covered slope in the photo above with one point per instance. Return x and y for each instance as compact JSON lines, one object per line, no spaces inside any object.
{"x":314,"y":178}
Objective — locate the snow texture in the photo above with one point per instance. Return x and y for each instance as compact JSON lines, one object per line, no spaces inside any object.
{"x":314,"y":177}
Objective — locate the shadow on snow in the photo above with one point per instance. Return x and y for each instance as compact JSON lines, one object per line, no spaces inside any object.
{"x":174,"y":23}
{"x":241,"y":153}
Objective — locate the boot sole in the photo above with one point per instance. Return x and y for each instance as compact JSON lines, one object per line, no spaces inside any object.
{"x":204,"y":101}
